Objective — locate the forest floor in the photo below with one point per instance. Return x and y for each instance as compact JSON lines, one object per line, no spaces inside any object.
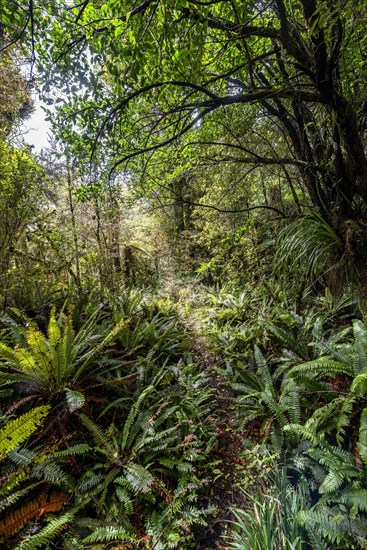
{"x":225,"y":492}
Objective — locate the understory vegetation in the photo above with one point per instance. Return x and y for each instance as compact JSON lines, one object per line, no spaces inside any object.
{"x":183,"y":298}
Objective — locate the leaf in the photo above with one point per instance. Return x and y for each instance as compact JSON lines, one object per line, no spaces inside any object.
{"x":21,"y":428}
{"x":362,"y":443}
{"x":44,"y":503}
{"x":75,"y":400}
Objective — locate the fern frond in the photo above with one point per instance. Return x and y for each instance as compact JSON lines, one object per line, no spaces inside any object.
{"x":17,"y":332}
{"x":262,"y":367}
{"x":335,"y":479}
{"x":288,"y":340}
{"x":43,"y":504}
{"x":362,"y":442}
{"x":8,"y":354}
{"x":353,"y":497}
{"x":291,"y":398}
{"x":72,"y":542}
{"x":18,"y":430}
{"x":138,"y":478}
{"x":335,"y":415}
{"x":315,"y":538}
{"x":14,"y":479}
{"x":57,"y":357}
{"x":157,"y":441}
{"x":74,"y":399}
{"x":52,"y":473}
{"x":100,"y":437}
{"x":125,"y":499}
{"x":84,"y":360}
{"x":332,"y":525}
{"x":277,"y":408}
{"x":323,"y":366}
{"x":38,"y":349}
{"x":109,"y":534}
{"x":305,"y":433}
{"x":22,"y":457}
{"x":322,"y":521}
{"x":359,"y":384}
{"x":132,"y":415}
{"x":14,"y":496}
{"x":78,"y":449}
{"x":53,"y":331}
{"x":89,"y":482}
{"x":49,"y":532}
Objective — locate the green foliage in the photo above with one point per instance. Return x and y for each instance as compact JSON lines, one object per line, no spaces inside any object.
{"x":18,"y":430}
{"x":261,"y":395}
{"x":23,"y":190}
{"x":339,"y":515}
{"x":345,"y":358}
{"x":227,"y":120}
{"x":270,"y":519}
{"x":48,"y":533}
{"x":147,"y":447}
{"x":152,"y":455}
{"x":15,"y":100}
{"x":47,"y":364}
{"x":310,"y":242}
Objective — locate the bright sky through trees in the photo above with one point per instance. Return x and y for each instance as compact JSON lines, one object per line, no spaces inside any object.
{"x":37,"y":129}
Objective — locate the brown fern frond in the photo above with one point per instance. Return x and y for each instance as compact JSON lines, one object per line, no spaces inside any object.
{"x":43,"y":504}
{"x":20,"y":403}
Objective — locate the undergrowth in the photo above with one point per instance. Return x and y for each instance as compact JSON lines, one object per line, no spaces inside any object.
{"x":111,"y":432}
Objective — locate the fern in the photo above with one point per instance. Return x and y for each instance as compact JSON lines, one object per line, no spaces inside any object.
{"x":126,"y":436}
{"x":334,"y":416}
{"x":125,"y":499}
{"x":109,"y":534}
{"x":101,"y":439}
{"x":49,"y":532}
{"x":19,"y":429}
{"x":74,"y":399}
{"x":15,"y":496}
{"x":43,"y":504}
{"x":259,"y":396}
{"x":336,"y":527}
{"x":22,"y":457}
{"x":288,"y":341}
{"x":323,"y":366}
{"x":362,"y":443}
{"x":138,"y":478}
{"x":48,"y":364}
{"x":51,"y":473}
{"x":78,"y":449}
{"x":359,"y":384}
{"x":354,"y":497}
{"x":89,"y":482}
{"x":344,"y":359}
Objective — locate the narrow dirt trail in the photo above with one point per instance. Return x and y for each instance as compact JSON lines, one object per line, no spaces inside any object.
{"x":224,"y":493}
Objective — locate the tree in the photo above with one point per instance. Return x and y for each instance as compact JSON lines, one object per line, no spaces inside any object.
{"x":164,"y":72}
{"x":23,"y":193}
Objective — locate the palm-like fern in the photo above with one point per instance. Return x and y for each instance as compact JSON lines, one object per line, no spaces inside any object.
{"x":272,"y":397}
{"x":149,"y":458}
{"x":339,"y":516}
{"x":47,"y":364}
{"x":136,"y":463}
{"x":129,"y":453}
{"x":341,"y":358}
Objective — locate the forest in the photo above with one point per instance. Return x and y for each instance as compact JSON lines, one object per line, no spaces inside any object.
{"x":183,"y":275}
